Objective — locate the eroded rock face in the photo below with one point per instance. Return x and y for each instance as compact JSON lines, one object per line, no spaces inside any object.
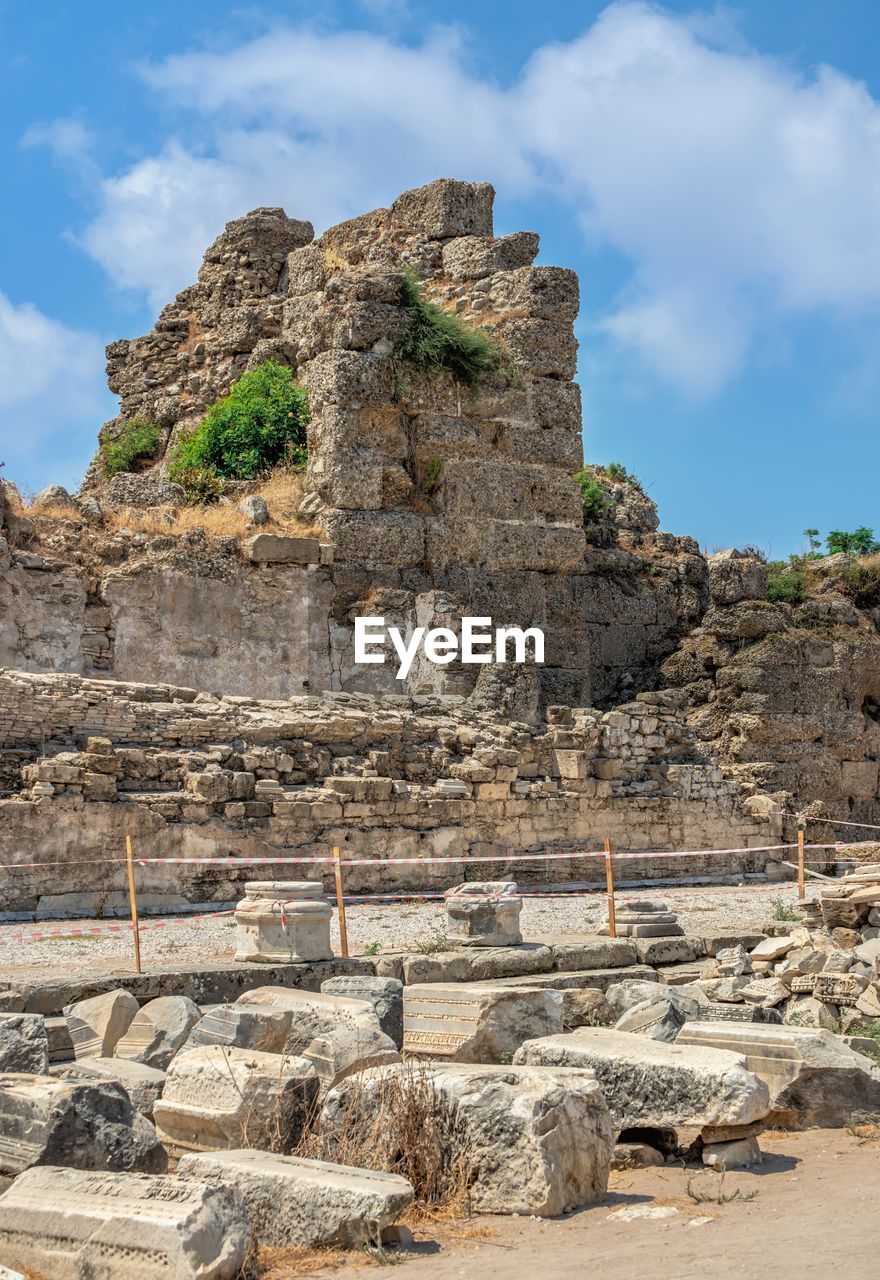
{"x":536,"y":1141}
{"x":646,"y":1082}
{"x":69,"y":1223}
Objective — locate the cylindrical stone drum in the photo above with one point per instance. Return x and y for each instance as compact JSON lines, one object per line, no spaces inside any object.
{"x":283,"y":921}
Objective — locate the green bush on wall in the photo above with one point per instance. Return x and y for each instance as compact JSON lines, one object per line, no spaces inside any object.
{"x":594,"y":495}
{"x":440,"y":342}
{"x":138,"y":440}
{"x":260,"y":425}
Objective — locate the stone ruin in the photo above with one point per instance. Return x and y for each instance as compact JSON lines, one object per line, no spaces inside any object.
{"x":198,"y":693}
{"x":207,"y":682}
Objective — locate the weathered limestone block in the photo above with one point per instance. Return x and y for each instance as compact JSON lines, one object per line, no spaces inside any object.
{"x":814,"y":1079}
{"x":335,"y":1055}
{"x":732,"y":962}
{"x":291,"y":1201}
{"x":286,"y":920}
{"x":24,"y":1045}
{"x":312,"y":1013}
{"x":656,"y":1019}
{"x":143,"y":1084}
{"x":46,"y":1121}
{"x":69,"y":1224}
{"x":384,"y":994}
{"x":98,"y":1024}
{"x":484,"y":914}
{"x":244,"y":1026}
{"x":734,"y":576}
{"x":446,"y":208}
{"x":666,"y":950}
{"x":598,"y":953}
{"x":272,"y":548}
{"x":742,"y":1153}
{"x":805,"y":1011}
{"x":159,"y":1029}
{"x":473,"y":1022}
{"x":534,"y":1141}
{"x":646,"y":1082}
{"x":217,"y":1098}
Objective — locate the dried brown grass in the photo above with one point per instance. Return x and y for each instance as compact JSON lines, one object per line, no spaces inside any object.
{"x":298,"y":1260}
{"x":401,"y":1124}
{"x":282,"y":491}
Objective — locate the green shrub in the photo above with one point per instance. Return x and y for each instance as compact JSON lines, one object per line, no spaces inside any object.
{"x":594,"y":495}
{"x":440,"y":342}
{"x":258,"y":426}
{"x":138,"y":440}
{"x":786,"y":582}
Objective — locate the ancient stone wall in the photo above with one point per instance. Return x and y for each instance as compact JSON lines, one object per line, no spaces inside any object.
{"x":192,"y":775}
{"x":787,"y":697}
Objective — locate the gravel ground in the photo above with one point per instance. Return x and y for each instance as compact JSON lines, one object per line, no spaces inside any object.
{"x":395,"y":927}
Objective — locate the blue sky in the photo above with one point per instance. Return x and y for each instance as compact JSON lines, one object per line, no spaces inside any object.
{"x":713,"y":174}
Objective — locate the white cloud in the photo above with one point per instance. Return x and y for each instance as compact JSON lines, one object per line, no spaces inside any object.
{"x":740,"y":191}
{"x":51,"y":394}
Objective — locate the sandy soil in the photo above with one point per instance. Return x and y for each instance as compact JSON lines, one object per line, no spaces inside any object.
{"x":398,"y":926}
{"x":810,"y":1211}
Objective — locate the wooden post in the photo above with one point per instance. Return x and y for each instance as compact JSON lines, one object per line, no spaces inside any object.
{"x":801,"y":886}
{"x":340,"y":903}
{"x":132,"y":900}
{"x":609,"y":881}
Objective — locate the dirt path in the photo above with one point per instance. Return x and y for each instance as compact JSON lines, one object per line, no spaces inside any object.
{"x":813,"y":1214}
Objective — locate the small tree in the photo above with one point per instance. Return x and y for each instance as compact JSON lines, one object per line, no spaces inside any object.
{"x":814,"y":543}
{"x":855,"y":542}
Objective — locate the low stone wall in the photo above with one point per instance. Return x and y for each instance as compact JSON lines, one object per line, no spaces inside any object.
{"x":195,"y":776}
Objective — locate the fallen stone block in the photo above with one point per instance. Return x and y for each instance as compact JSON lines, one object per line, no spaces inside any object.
{"x":68,"y":1224}
{"x":595,"y":953}
{"x":384,"y":994}
{"x":472,"y":1022}
{"x":719,"y":939}
{"x":82,"y":1125}
{"x":743,"y":1153}
{"x":805,"y":1011}
{"x":772,"y":948}
{"x":24,"y":1045}
{"x":528,"y":1141}
{"x":623,"y":996}
{"x":635,"y":1155}
{"x":649,"y":1083}
{"x":340,"y":1053}
{"x":582,"y":979}
{"x":667,"y":950}
{"x":656,"y":1019}
{"x":58,"y":1035}
{"x":766,"y":992}
{"x":218,"y":1098}
{"x":291,"y":1201}
{"x":312,"y":1012}
{"x":158,"y":1031}
{"x":245,"y":1026}
{"x":813,"y":1077}
{"x":98,"y":1024}
{"x":143,"y":1084}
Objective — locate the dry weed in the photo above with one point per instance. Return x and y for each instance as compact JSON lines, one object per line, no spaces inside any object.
{"x":401,"y":1125}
